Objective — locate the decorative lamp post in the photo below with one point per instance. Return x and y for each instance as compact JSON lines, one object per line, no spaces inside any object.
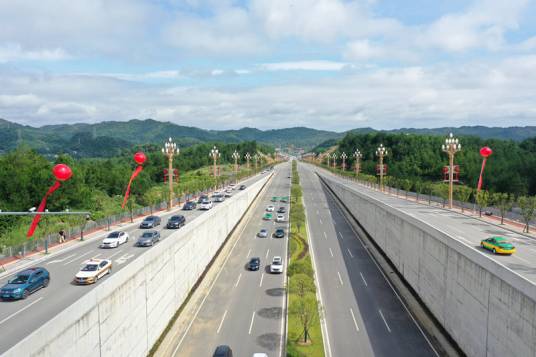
{"x":256,"y":158}
{"x":329,"y":157}
{"x":451,"y":147}
{"x":343,"y":157}
{"x":357,"y":155}
{"x":170,"y":149}
{"x":247,"y":156}
{"x":381,"y":152}
{"x":236,"y":156}
{"x":215,"y":155}
{"x":334,"y":157}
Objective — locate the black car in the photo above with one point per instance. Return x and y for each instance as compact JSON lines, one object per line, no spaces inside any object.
{"x":281,"y":210}
{"x":223,"y":351}
{"x":242,"y":187}
{"x":190,"y":205}
{"x":279,"y":233}
{"x":176,"y":222}
{"x":148,"y":239}
{"x":203,"y":198}
{"x":150,"y":222}
{"x":254,"y":263}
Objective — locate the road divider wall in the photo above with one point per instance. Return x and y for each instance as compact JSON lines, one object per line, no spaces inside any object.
{"x":488,"y":309}
{"x":127,"y":311}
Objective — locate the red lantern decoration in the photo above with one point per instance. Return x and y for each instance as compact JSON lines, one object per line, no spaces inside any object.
{"x":485,"y":152}
{"x":62,"y":173}
{"x":140,"y":158}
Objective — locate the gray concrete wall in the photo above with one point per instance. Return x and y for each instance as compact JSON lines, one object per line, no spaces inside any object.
{"x":126,"y":313}
{"x":488,"y":309}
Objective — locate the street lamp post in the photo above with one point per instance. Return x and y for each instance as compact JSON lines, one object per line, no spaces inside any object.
{"x":329,"y":157}
{"x":170,"y":149}
{"x":451,"y":147}
{"x":247,"y":156}
{"x":357,"y":155}
{"x":256,"y":158}
{"x":236,"y":156}
{"x":381,"y":151}
{"x":334,"y":157}
{"x":215,"y":155}
{"x":343,"y":157}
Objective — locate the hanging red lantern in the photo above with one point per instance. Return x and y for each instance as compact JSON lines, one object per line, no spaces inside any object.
{"x":62,"y":172}
{"x":485,"y":152}
{"x":140,"y":158}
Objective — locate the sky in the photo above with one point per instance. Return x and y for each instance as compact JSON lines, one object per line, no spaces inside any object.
{"x":225,"y":64}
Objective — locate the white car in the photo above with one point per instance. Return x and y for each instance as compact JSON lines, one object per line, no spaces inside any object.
{"x":114,"y":239}
{"x":277,"y":265}
{"x":270,"y":208}
{"x":206,"y":205}
{"x":260,"y":355}
{"x":92,"y":270}
{"x":280,"y":218}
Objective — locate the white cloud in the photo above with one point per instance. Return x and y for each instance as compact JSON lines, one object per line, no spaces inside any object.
{"x":15,"y":52}
{"x":363,"y":50}
{"x":304,"y":66}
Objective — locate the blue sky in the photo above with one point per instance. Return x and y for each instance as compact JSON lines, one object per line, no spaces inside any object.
{"x":221,"y":64}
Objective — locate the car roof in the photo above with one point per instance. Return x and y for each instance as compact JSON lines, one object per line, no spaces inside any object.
{"x":29,"y":271}
{"x":277,"y":257}
{"x":95,"y":261}
{"x":502,"y":239}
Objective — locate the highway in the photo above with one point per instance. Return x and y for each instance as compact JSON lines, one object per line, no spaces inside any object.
{"x":467,"y":230}
{"x":362,"y":312}
{"x":19,"y":318}
{"x":246,"y":309}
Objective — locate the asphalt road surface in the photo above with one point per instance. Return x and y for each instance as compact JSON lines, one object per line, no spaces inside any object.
{"x":468,"y":230}
{"x":19,"y":318}
{"x":246,"y":309}
{"x":363,"y":314}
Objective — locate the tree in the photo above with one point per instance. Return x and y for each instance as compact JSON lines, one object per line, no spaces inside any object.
{"x":441,"y":190}
{"x":504,"y":202}
{"x":482,"y":200}
{"x":527,"y":204}
{"x":462,"y":194}
{"x":301,"y":284}
{"x":406,"y":186}
{"x":306,"y":310}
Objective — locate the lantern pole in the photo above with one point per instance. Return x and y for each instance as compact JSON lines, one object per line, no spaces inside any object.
{"x":451,"y":147}
{"x":381,"y":152}
{"x":170,"y":149}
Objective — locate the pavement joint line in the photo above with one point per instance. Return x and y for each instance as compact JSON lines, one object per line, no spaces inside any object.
{"x":262,"y":278}
{"x":251,"y":323}
{"x":362,"y":277}
{"x":238,"y":280}
{"x":353,"y":318}
{"x":331,"y":252}
{"x":116,"y":253}
{"x":21,"y":310}
{"x":384,"y":320}
{"x":61,"y":260}
{"x":340,"y":279}
{"x":78,"y":257}
{"x":349,"y":252}
{"x":221,"y":322}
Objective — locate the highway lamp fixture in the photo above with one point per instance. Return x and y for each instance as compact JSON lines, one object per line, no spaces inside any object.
{"x":357,"y":156}
{"x":236,"y":156}
{"x":344,"y":157}
{"x":256,"y":158}
{"x":215,"y":155}
{"x":170,"y":149}
{"x":334,"y":157}
{"x":451,"y":147}
{"x":381,"y":152}
{"x":248,"y":157}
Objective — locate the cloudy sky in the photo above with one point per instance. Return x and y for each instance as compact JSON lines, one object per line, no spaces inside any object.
{"x":220,"y":64}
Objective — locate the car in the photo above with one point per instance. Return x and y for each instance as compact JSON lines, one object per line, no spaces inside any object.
{"x":189,"y":205}
{"x":254,"y":263}
{"x":280,"y":218}
{"x":284,"y":199}
{"x":274,"y":199}
{"x":277,"y":265}
{"x":228,"y":193}
{"x":25,"y":283}
{"x":148,"y":239}
{"x":260,"y":355}
{"x":263,"y":233}
{"x":488,"y":213}
{"x":242,"y":187}
{"x":176,"y":221}
{"x":219,"y":197}
{"x":279,"y":233}
{"x":267,"y":216}
{"x":223,"y":351}
{"x":498,"y":245}
{"x":270,"y":208}
{"x":206,"y":205}
{"x":92,"y":270}
{"x":150,"y":222}
{"x":114,"y":239}
{"x":282,"y":210}
{"x":202,"y":198}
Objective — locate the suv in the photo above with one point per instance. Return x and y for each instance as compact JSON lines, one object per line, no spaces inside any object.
{"x":277,"y":265}
{"x":176,"y":222}
{"x":223,"y":351}
{"x":205,"y":205}
{"x":25,"y":283}
{"x":202,"y":198}
{"x":190,"y":205}
{"x":279,"y":233}
{"x":281,"y":210}
{"x":220,"y":197}
{"x":263,"y":233}
{"x":150,"y":222}
{"x":254,"y":263}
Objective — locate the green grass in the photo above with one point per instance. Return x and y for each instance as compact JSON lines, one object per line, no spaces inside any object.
{"x":300,"y":262}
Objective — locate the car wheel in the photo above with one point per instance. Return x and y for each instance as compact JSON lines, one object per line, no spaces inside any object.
{"x":109,"y":271}
{"x":25,"y":294}
{"x":494,"y":251}
{"x":45,"y":283}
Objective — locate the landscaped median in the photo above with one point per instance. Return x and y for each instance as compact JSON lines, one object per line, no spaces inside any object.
{"x":304,"y":332}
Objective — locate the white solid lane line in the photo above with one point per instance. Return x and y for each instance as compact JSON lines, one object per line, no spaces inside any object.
{"x":78,"y":257}
{"x":353,"y":318}
{"x":221,"y":322}
{"x":267,"y":252}
{"x":349,"y":252}
{"x":249,"y":251}
{"x":331,"y":252}
{"x":238,"y":280}
{"x":251,"y":324}
{"x":523,"y":260}
{"x":320,"y":220}
{"x":21,"y":310}
{"x":384,"y":321}
{"x":262,"y":277}
{"x":362,"y":277}
{"x":116,"y":253}
{"x":340,"y":279}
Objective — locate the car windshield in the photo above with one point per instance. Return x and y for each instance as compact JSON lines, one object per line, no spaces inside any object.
{"x":90,"y":267}
{"x":147,"y":235}
{"x":20,"y":279}
{"x":263,"y":230}
{"x":149,"y":219}
{"x":175,"y":218}
{"x":276,"y":262}
{"x":113,"y":235}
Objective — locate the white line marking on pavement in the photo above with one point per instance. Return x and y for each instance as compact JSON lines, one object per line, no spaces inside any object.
{"x":353,"y":318}
{"x":123,"y":259}
{"x":98,"y":255}
{"x":384,"y":321}
{"x":331,"y":252}
{"x":320,"y":220}
{"x":325,"y":235}
{"x":267,"y":252}
{"x":341,"y":235}
{"x":61,"y":260}
{"x":349,"y":252}
{"x":317,"y":212}
{"x":21,"y":310}
{"x":340,"y":279}
{"x":262,"y":277}
{"x":238,"y":280}
{"x":221,"y":322}
{"x":362,"y":277}
{"x":251,"y":323}
{"x":113,"y":255}
{"x":247,"y":255}
{"x":334,"y":223}
{"x":78,"y":257}
{"x":465,"y":240}
{"x":523,"y":260}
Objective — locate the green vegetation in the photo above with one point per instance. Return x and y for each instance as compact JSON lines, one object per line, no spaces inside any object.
{"x":304,"y":333}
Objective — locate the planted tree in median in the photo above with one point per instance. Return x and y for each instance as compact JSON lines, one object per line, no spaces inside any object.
{"x":305,"y":309}
{"x":301,"y":284}
{"x":463,"y":193}
{"x":504,"y":202}
{"x":527,"y":204}
{"x":482,"y":200}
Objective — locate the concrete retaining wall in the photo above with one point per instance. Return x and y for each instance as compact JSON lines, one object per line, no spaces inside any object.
{"x":127,"y":312}
{"x":487,"y":308}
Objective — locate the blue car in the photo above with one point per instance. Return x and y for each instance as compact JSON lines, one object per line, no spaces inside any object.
{"x":25,"y":283}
